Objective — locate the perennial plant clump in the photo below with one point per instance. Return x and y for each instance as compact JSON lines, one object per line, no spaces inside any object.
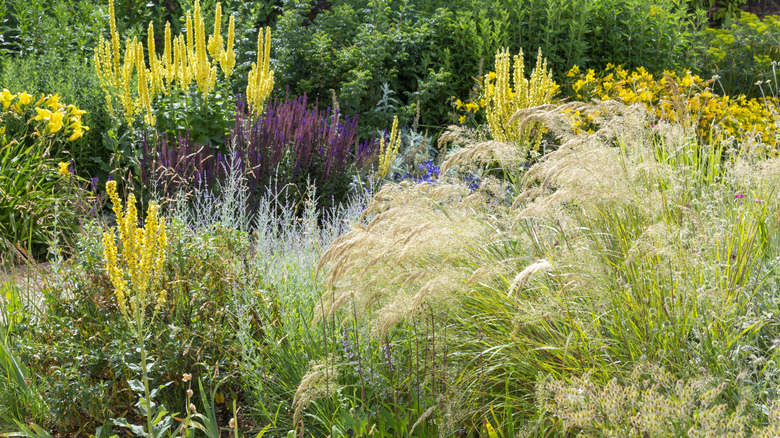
{"x":137,"y":274}
{"x":288,"y":143}
{"x":503,"y":101}
{"x":685,"y":98}
{"x":134,"y":81}
{"x":36,"y":193}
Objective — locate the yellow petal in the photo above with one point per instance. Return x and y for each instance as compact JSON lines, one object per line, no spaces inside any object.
{"x":25,"y":98}
{"x":42,"y":114}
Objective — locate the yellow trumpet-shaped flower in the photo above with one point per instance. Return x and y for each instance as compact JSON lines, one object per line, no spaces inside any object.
{"x":63,"y":168}
{"x":43,"y":114}
{"x":5,"y":98}
{"x":78,"y":130}
{"x":53,"y":102}
{"x":55,"y":122}
{"x":73,"y":111}
{"x":24,"y":98}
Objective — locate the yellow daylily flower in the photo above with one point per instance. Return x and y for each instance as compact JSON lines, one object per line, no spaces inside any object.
{"x":53,"y":102}
{"x":43,"y":114}
{"x":55,"y":123}
{"x":64,"y":168}
{"x":25,"y":98}
{"x":5,"y":98}
{"x":76,"y":135}
{"x":74,"y":111}
{"x":78,"y":130}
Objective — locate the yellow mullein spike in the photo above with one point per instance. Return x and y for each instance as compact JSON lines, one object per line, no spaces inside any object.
{"x":202,"y":67}
{"x":114,"y":37}
{"x":215,"y":40}
{"x":261,"y":79}
{"x":503,"y":100}
{"x":387,"y":152}
{"x":153,"y":62}
{"x":190,"y":32}
{"x":129,"y":235}
{"x":212,"y":80}
{"x":162,"y":242}
{"x":177,"y":58}
{"x":112,"y":194}
{"x":144,"y":95}
{"x":127,"y":76}
{"x":114,"y":273}
{"x":167,"y":58}
{"x":228,"y":59}
{"x":137,"y":275}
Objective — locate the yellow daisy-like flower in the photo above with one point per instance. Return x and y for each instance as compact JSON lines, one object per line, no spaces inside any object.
{"x":64,"y":169}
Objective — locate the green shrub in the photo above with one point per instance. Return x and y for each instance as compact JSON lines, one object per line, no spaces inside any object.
{"x":743,"y":52}
{"x":37,"y":27}
{"x":426,"y":54}
{"x":355,"y":49}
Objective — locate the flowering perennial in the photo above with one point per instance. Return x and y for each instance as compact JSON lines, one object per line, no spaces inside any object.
{"x":184,"y":62}
{"x":261,"y":79}
{"x":685,"y":98}
{"x":57,"y":117}
{"x":504,"y":100}
{"x":388,"y":150}
{"x":136,"y":273}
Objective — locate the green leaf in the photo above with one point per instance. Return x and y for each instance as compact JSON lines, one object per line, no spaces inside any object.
{"x":137,"y":430}
{"x":136,"y":385}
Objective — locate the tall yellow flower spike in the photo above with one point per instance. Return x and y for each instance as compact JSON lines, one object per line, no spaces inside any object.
{"x":228,"y":58}
{"x":215,"y":41}
{"x":261,"y":78}
{"x":503,"y":100}
{"x":136,"y":273}
{"x":387,"y":152}
{"x":185,"y":59}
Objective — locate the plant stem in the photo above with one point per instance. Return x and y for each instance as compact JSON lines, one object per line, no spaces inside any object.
{"x":140,"y":335}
